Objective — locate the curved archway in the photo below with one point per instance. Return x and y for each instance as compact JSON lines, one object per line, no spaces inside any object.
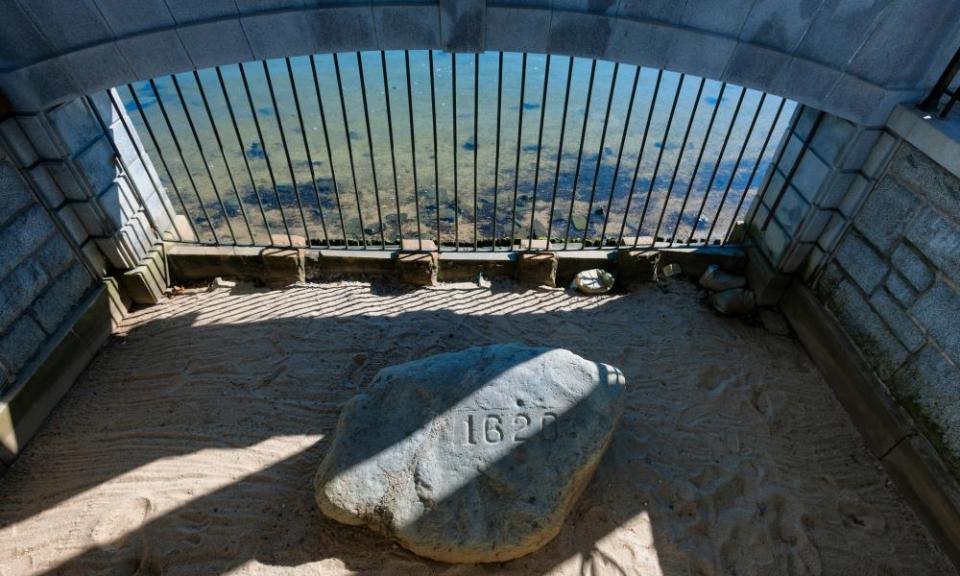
{"x":853,"y":61}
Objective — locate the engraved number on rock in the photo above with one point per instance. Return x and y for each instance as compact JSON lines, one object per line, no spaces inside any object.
{"x":520,"y":423}
{"x":491,"y":428}
{"x":471,"y":438}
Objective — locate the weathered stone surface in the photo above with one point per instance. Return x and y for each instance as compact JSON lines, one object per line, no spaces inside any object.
{"x":637,"y":265}
{"x":885,"y":214}
{"x":882,"y":350}
{"x":473,"y":456}
{"x":14,"y":195}
{"x":902,"y":291}
{"x":939,"y":186}
{"x":938,"y":310}
{"x":537,"y":268}
{"x":713,"y":278}
{"x":938,"y":239}
{"x":930,"y":386}
{"x":865,"y":266}
{"x":418,"y":268}
{"x":734,"y":302}
{"x":897,"y":320}
{"x":906,"y":260}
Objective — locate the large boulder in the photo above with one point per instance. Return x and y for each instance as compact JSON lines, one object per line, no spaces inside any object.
{"x":473,"y":456}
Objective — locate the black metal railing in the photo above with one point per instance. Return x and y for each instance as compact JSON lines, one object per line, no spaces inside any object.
{"x":944,"y":89}
{"x":469,"y":151}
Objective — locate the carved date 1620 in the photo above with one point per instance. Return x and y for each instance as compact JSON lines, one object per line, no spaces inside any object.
{"x":503,"y":426}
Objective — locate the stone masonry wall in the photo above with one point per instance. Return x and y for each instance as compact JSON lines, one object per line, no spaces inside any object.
{"x":41,"y":277}
{"x":78,"y":201}
{"x":893,"y":282}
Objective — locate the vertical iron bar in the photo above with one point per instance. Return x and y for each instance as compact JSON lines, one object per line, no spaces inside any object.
{"x":266,"y":155}
{"x":516,"y":169}
{"x":676,"y":169}
{"x":346,"y":132}
{"x":306,"y":148}
{"x":476,"y":143}
{"x":932,"y":101}
{"x":436,"y":157}
{"x":496,"y":161}
{"x":286,"y":152}
{"x":696,"y":167}
{"x":226,"y":164}
{"x":413,"y":148}
{"x":393,"y":155}
{"x":583,"y":135}
{"x":536,"y":170}
{"x":183,"y":160}
{"x":243,"y":153}
{"x":326,"y":141}
{"x":556,"y":174}
{"x":373,"y":161}
{"x":203,"y":157}
{"x":456,"y":185}
{"x":736,"y":166}
{"x":603,"y":139}
{"x":656,"y":167}
{"x":643,"y":145}
{"x":756,"y":166}
{"x":716,"y":166}
{"x":616,"y":170}
{"x":142,"y":156}
{"x":163,"y":160}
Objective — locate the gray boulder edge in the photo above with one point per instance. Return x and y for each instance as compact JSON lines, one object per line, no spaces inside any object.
{"x":471,"y":456}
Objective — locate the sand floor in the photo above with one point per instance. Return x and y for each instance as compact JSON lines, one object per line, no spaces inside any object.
{"x":190,"y":444}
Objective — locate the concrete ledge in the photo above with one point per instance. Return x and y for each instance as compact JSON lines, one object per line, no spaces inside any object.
{"x":465,"y":266}
{"x":196,"y":263}
{"x":919,"y":473}
{"x":938,"y":138}
{"x":24,"y":409}
{"x":930,"y":489}
{"x":326,"y":265}
{"x":271,"y":266}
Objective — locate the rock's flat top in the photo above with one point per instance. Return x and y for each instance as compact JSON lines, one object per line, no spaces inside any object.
{"x":473,"y":456}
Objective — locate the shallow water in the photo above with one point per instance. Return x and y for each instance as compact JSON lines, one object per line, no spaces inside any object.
{"x":366,"y":175}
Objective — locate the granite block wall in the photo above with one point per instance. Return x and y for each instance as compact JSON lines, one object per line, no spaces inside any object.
{"x":78,"y":201}
{"x":869,"y":218}
{"x":894,"y":284}
{"x":42,"y":278}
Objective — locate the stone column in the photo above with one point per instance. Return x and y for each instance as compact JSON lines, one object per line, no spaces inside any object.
{"x":820,"y":176}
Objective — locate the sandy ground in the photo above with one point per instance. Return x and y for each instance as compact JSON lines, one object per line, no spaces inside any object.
{"x":190,"y":445}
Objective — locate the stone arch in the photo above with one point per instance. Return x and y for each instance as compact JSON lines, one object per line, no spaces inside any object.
{"x":855,"y":61}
